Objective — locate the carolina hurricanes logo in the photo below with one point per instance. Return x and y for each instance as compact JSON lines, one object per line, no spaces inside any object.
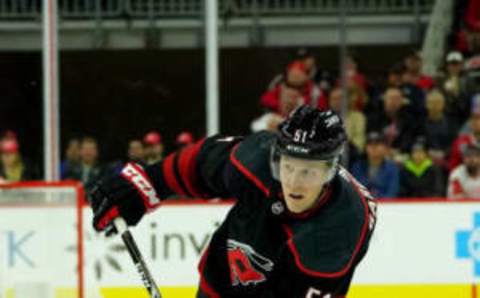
{"x":246,"y":264}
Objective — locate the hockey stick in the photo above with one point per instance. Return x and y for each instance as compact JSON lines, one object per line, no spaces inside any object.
{"x":137,"y":257}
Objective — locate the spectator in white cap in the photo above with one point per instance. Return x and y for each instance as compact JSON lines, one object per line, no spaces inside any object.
{"x":453,"y":85}
{"x":453,"y":68}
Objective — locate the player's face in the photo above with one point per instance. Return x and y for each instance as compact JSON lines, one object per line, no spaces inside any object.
{"x":302,"y":181}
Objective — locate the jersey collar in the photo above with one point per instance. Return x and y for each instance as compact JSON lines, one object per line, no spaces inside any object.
{"x":323,"y":198}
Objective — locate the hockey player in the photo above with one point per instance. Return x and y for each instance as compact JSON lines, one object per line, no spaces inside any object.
{"x":301,"y":223}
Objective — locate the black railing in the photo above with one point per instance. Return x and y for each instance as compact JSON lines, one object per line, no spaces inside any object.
{"x":31,"y":9}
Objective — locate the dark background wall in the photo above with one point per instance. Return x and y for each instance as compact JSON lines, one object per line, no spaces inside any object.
{"x":118,"y":95}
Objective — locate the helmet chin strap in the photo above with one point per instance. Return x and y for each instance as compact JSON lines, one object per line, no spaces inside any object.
{"x":333,"y":170}
{"x":323,"y":191}
{"x":325,"y":186}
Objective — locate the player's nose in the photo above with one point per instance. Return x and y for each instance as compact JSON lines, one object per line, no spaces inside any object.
{"x":296,"y":180}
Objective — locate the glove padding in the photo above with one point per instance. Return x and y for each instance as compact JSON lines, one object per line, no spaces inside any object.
{"x":129,"y":195}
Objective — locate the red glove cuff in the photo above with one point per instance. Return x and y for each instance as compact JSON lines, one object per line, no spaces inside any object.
{"x":108,"y":218}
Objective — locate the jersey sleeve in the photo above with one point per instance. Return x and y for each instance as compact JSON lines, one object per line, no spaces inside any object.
{"x":202,"y":170}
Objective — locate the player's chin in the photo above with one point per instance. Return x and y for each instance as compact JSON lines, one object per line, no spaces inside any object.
{"x":295,"y":206}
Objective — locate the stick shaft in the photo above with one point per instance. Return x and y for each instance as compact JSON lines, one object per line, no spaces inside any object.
{"x":137,"y":258}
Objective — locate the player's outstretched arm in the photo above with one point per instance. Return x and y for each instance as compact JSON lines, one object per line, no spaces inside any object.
{"x":195,"y":171}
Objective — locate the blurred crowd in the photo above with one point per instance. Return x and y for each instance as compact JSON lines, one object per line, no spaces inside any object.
{"x":82,"y":160}
{"x":410,"y":134}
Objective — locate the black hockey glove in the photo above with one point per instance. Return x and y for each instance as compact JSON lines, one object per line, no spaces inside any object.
{"x":129,"y":195}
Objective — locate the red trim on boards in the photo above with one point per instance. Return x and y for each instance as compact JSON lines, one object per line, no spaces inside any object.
{"x":80,"y":203}
{"x":44,"y":184}
{"x":426,"y":200}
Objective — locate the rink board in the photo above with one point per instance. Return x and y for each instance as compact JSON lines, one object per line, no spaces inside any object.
{"x":419,"y":250}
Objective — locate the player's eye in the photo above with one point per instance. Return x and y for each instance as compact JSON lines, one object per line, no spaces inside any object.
{"x":287,"y":167}
{"x":305,"y":172}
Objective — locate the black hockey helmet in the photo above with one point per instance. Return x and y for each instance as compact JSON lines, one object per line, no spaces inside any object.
{"x":309,"y":133}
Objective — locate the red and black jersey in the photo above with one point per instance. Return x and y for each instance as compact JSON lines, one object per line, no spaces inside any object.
{"x":262,"y":250}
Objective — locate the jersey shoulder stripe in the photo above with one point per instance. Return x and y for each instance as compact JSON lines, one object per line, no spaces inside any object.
{"x":251,"y":157}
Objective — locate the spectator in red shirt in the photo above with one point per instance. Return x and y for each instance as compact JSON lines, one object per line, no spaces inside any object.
{"x":464,"y":140}
{"x":472,"y":15}
{"x":356,"y":83}
{"x":308,"y":59}
{"x":353,"y":74}
{"x":296,"y":78}
{"x":321,"y":77}
{"x":413,"y":64}
{"x":289,"y":99}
